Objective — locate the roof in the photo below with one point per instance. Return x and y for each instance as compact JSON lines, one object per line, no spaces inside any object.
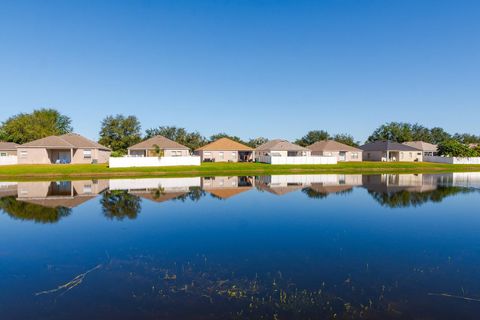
{"x":280,"y":145}
{"x":161,"y":142}
{"x":421,"y":145}
{"x":224,"y":144}
{"x":69,"y":140}
{"x":225,"y":193}
{"x":385,"y":145}
{"x":8,"y":145}
{"x":55,"y":202}
{"x":331,"y":145}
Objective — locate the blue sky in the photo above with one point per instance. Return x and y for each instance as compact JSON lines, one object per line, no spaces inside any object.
{"x":249,"y":68}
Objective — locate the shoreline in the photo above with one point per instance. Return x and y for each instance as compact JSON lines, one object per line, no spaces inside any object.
{"x":76,"y":172}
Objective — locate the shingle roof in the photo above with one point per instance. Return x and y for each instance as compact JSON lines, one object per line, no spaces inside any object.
{"x":421,"y":145}
{"x":384,"y":145}
{"x":8,"y":145}
{"x":69,"y":140}
{"x":331,"y":145}
{"x":224,"y":144}
{"x":161,"y":142}
{"x":280,"y":145}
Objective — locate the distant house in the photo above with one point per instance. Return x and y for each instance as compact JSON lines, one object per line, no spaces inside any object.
{"x":384,"y":150}
{"x":428,"y":149}
{"x":336,"y":149}
{"x":8,"y":149}
{"x":67,"y":148}
{"x":280,"y":148}
{"x":167,"y":147}
{"x":225,"y":150}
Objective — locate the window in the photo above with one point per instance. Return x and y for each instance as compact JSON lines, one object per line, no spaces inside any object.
{"x":3,"y":154}
{"x":368,"y":155}
{"x":234,"y":154}
{"x":354,"y":155}
{"x":23,"y":154}
{"x":208,"y":154}
{"x":87,"y":188}
{"x":220,"y":154}
{"x":411,"y":154}
{"x":87,"y":154}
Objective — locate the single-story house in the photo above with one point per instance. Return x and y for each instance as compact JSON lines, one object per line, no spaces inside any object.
{"x":280,"y":148}
{"x":8,"y":149}
{"x":428,"y":149}
{"x":225,"y":150}
{"x":227,"y":187}
{"x":336,"y":149}
{"x":167,"y":147}
{"x":384,"y":150}
{"x":67,"y":148}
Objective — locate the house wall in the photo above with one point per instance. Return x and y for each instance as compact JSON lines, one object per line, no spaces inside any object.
{"x":8,"y":152}
{"x":349,"y":156}
{"x":101,"y":156}
{"x":406,"y":156}
{"x":33,"y":156}
{"x":209,"y":183}
{"x":228,"y":156}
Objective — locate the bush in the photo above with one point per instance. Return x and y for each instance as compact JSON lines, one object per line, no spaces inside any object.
{"x":453,"y":148}
{"x":117,"y":154}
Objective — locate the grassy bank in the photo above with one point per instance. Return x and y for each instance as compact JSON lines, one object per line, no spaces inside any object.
{"x":56,"y":171}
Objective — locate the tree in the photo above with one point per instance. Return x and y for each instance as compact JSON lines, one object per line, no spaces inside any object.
{"x":193,"y":140}
{"x":313,"y":136}
{"x":466,"y":138}
{"x":26,"y":127}
{"x":120,"y":132}
{"x":346,"y":139}
{"x":224,"y":135}
{"x":393,"y":131}
{"x":119,"y":204}
{"x":439,"y":135}
{"x":454,"y":148}
{"x":255,"y":142}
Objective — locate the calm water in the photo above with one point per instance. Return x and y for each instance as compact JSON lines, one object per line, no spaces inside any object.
{"x":268,"y":247}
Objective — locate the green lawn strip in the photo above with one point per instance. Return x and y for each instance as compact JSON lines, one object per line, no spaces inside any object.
{"x":84,"y":171}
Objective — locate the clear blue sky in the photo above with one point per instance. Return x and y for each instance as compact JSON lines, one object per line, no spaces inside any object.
{"x":249,"y":68}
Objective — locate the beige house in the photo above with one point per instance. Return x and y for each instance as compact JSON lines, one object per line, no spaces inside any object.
{"x":428,"y":149}
{"x":8,"y":149}
{"x":167,"y":148}
{"x":67,"y":148}
{"x":225,"y":150}
{"x":280,"y":148}
{"x":227,"y":187}
{"x":331,"y":148}
{"x":384,"y":150}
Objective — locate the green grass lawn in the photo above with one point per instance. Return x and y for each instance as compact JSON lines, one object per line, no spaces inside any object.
{"x":215,"y":169}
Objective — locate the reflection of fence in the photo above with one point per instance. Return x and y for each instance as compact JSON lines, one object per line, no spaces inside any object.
{"x":6,"y":160}
{"x":452,"y":160}
{"x":298,"y":160}
{"x":153,"y":183}
{"x":126,"y":162}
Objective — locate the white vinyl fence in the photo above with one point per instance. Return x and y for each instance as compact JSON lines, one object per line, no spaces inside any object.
{"x":7,"y":160}
{"x":298,"y":160}
{"x":452,"y":160}
{"x":128,"y":162}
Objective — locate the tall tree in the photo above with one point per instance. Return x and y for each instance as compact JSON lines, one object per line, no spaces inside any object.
{"x":393,"y":131}
{"x":255,"y":142}
{"x":224,"y":135}
{"x":26,"y":127}
{"x":312,"y":137}
{"x":120,"y":132}
{"x":454,"y":148}
{"x":466,"y":138}
{"x":346,"y":139}
{"x":193,"y":140}
{"x":439,"y":135}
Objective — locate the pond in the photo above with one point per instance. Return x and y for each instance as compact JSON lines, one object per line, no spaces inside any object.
{"x":268,"y":247}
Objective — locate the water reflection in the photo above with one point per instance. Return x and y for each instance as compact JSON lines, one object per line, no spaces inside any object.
{"x":48,"y":202}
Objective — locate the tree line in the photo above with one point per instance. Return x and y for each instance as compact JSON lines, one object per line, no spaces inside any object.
{"x":119,"y":132}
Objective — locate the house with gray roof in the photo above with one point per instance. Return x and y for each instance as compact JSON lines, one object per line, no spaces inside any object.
{"x":428,"y":149}
{"x":67,"y":148}
{"x":8,"y":149}
{"x":336,"y":149}
{"x":158,"y":145}
{"x":280,"y":148}
{"x":384,"y":150}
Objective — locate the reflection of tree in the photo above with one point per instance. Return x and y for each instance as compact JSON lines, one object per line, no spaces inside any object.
{"x":315,"y":194}
{"x":194,"y":194}
{"x":404,"y":198}
{"x":119,"y":204}
{"x":29,"y":211}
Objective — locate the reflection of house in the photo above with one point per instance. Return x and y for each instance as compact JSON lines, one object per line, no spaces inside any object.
{"x":164,"y":146}
{"x":54,"y":194}
{"x":8,"y":189}
{"x":336,"y":149}
{"x":8,"y":149}
{"x":390,"y":151}
{"x":156,"y":189}
{"x":226,"y":187}
{"x":399,"y":182}
{"x":225,"y":150}
{"x":428,"y":149}
{"x":67,"y":148}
